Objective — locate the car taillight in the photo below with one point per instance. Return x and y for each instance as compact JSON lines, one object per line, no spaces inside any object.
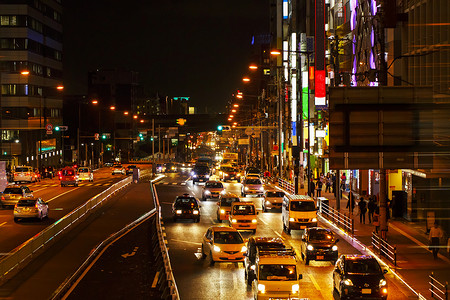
{"x":28,"y":173}
{"x":15,"y":174}
{"x":3,"y":198}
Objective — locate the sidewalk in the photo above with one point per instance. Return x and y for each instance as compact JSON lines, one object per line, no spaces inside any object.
{"x":414,"y":261}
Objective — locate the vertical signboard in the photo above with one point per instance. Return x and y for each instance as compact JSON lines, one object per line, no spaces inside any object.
{"x":319,"y":78}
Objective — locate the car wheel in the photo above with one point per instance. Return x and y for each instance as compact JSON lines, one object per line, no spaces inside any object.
{"x":306,"y":261}
{"x":62,"y":184}
{"x":219,"y":220}
{"x":203,"y":253}
{"x":249,"y":280}
{"x":211,"y":259}
{"x":264,"y":209}
{"x":16,"y":220}
{"x":254,"y":231}
{"x":197,"y":220}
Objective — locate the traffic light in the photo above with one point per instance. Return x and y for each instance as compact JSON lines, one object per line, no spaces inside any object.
{"x":103,"y":136}
{"x":151,"y":139}
{"x":141,"y":136}
{"x":219,"y":127}
{"x":181,"y":121}
{"x":57,"y":128}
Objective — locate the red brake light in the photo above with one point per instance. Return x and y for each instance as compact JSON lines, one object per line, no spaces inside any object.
{"x":3,"y":197}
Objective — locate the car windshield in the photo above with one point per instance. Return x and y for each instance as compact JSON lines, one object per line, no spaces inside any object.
{"x":303,"y":206}
{"x":118,"y":166}
{"x":253,"y":170}
{"x":186,"y":203}
{"x":19,"y":169}
{"x":83,"y":170}
{"x":365,"y":266}
{"x":17,"y":191}
{"x":214,"y":185}
{"x":131,"y":167}
{"x":275,"y":194}
{"x":320,"y":235}
{"x":27,"y":202}
{"x":227,"y":237}
{"x":277,"y":272}
{"x":68,"y":172}
{"x":228,"y":201}
{"x":201,"y":169}
{"x":243,"y":210}
{"x":229,"y":169}
{"x":253,"y":181}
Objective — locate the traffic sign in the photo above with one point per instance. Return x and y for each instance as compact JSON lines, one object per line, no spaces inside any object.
{"x":63,"y":128}
{"x":49,"y":127}
{"x":252,"y":131}
{"x":96,"y":136}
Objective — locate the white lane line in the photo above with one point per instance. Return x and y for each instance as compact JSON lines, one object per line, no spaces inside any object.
{"x":34,"y":191}
{"x":61,"y":195}
{"x":316,"y":285}
{"x":235,"y":283}
{"x":183,"y":183}
{"x":188,"y":242}
{"x":264,"y":222}
{"x":2,"y":224}
{"x":155,"y":280}
{"x":279,"y":234}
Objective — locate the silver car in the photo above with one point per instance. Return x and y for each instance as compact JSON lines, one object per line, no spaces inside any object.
{"x":212,"y":189}
{"x":13,"y":193}
{"x":85,"y":174}
{"x":252,"y":186}
{"x":272,"y":200}
{"x":24,"y":174}
{"x":30,"y":208}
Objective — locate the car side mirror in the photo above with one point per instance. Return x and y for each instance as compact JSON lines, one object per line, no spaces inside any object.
{"x":300,"y":276}
{"x":303,"y":239}
{"x":337,"y":240}
{"x":385,"y":271}
{"x":257,"y":212}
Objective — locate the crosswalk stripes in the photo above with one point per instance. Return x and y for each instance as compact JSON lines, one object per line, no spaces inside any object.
{"x":80,"y":184}
{"x":171,"y":183}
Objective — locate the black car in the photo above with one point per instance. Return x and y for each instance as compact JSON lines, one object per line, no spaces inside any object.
{"x":259,"y":243}
{"x":359,"y":276}
{"x":48,"y":172}
{"x":252,"y":170}
{"x":319,"y":244}
{"x":170,"y":168}
{"x":200,"y":174}
{"x":186,"y":207}
{"x":129,"y":169}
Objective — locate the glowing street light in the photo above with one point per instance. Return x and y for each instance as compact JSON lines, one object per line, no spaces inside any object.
{"x":239,"y":96}
{"x":60,"y":87}
{"x":235,"y":105}
{"x":126,"y":113}
{"x":95,"y":102}
{"x":135,"y":117}
{"x":112,"y":107}
{"x":275,"y":52}
{"x":246,"y":79}
{"x":253,"y":67}
{"x":233,"y":110}
{"x":25,"y":72}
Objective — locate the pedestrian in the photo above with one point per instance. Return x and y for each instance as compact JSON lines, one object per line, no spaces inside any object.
{"x":343,"y":181}
{"x":376,"y":219}
{"x":334,"y":184}
{"x":319,"y":187}
{"x":328,"y":183}
{"x":371,"y":207}
{"x":312,"y":187}
{"x":362,"y":210}
{"x":351,"y":202}
{"x":435,"y":236}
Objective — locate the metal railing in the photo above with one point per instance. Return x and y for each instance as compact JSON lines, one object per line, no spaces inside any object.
{"x":437,"y":289}
{"x":23,"y":254}
{"x":384,"y":248}
{"x":336,"y":217}
{"x":166,"y":280}
{"x":286,"y":185}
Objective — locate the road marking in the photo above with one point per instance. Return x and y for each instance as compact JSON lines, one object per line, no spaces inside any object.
{"x":264,"y":222}
{"x":316,"y":285}
{"x":235,"y":283}
{"x":183,"y":183}
{"x":188,"y":242}
{"x":62,"y":194}
{"x":155,"y":280}
{"x":126,"y":255}
{"x":2,"y":224}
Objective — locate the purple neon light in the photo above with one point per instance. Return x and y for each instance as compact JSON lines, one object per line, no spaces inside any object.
{"x":374,"y":7}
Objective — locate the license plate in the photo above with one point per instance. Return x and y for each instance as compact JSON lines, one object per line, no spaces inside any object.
{"x":319,"y":257}
{"x":244,"y":225}
{"x":302,"y":227}
{"x":366,"y":291}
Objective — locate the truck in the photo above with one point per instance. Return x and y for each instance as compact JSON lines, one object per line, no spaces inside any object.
{"x":230,"y":158}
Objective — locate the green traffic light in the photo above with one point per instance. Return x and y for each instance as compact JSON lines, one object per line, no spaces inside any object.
{"x":104,"y":136}
{"x":219,"y":127}
{"x":57,"y":128}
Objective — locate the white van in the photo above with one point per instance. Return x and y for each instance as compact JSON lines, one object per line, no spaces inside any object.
{"x":298,"y":212}
{"x":24,"y":174}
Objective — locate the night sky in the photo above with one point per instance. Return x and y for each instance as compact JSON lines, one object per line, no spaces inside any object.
{"x":196,"y":48}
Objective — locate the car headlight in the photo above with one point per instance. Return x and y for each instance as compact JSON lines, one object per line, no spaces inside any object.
{"x":195,"y":176}
{"x":295,"y":288}
{"x":348,"y":282}
{"x":222,"y":211}
{"x":238,"y":174}
{"x":225,"y":174}
{"x":253,"y":267}
{"x":179,"y":211}
{"x":246,"y":188}
{"x":216,"y":248}
{"x":314,"y":220}
{"x":223,"y":192}
{"x":195,"y":212}
{"x":310,"y":247}
{"x":206,"y":176}
{"x":261,"y":288}
{"x":383,"y":282}
{"x":261,"y":189}
{"x":233,"y":220}
{"x":291,"y":220}
{"x":244,"y":249}
{"x":267,"y":202}
{"x":334,"y":248}
{"x":254,"y":221}
{"x":207,"y":192}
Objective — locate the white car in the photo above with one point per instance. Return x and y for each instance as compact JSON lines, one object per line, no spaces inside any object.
{"x":24,"y":174}
{"x":273,"y":199}
{"x":85,"y":174}
{"x":212,"y":189}
{"x":252,"y":186}
{"x":118,"y":169}
{"x":223,"y":244}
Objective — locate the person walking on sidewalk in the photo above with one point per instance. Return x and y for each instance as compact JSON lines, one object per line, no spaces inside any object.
{"x":435,"y":236}
{"x":312,"y":187}
{"x":328,"y":183}
{"x":376,"y":219}
{"x":351,"y":202}
{"x":371,"y":207}
{"x":319,"y":185}
{"x":362,"y":210}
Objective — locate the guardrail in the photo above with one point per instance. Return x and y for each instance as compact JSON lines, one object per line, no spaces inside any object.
{"x":166,"y":280}
{"x":336,"y":217}
{"x":286,"y":185}
{"x":437,"y":289}
{"x":23,"y":254}
{"x":384,"y":248}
